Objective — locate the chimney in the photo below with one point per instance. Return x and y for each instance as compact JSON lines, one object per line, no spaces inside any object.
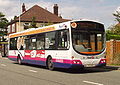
{"x":55,"y":8}
{"x":23,"y":8}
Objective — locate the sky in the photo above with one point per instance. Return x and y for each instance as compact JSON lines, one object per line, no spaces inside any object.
{"x":100,"y":10}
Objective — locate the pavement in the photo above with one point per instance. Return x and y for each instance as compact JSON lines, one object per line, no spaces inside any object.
{"x":112,"y":67}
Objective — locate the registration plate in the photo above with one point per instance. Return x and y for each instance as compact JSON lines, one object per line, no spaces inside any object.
{"x":89,"y":65}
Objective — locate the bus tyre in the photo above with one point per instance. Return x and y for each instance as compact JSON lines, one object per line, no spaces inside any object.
{"x":19,"y":61}
{"x":50,"y":64}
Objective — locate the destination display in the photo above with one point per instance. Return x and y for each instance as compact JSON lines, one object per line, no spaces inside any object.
{"x":83,"y":25}
{"x":86,"y":26}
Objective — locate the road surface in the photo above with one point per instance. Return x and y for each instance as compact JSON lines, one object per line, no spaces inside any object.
{"x":13,"y":74}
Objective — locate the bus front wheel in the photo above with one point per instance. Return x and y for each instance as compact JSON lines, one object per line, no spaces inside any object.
{"x":50,"y":64}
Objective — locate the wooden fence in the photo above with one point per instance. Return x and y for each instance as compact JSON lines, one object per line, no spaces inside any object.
{"x":113,"y":52}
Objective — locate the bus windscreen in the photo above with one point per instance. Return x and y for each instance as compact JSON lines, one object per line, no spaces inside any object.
{"x":88,"y":37}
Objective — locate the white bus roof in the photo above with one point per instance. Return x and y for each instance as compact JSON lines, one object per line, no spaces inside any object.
{"x":47,"y":28}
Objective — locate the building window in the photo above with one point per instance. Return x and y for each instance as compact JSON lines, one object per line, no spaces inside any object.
{"x":13,"y":27}
{"x":26,"y":26}
{"x":8,"y":30}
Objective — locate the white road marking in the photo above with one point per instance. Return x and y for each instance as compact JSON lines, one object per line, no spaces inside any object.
{"x":89,"y":82}
{"x":33,"y":71}
{"x":3,"y":65}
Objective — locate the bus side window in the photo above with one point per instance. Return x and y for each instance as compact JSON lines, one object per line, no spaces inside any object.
{"x":30,"y":42}
{"x":13,"y":44}
{"x":40,"y":41}
{"x":33,"y":43}
{"x":63,"y":39}
{"x":50,"y":40}
{"x":27,"y":42}
{"x":20,"y":43}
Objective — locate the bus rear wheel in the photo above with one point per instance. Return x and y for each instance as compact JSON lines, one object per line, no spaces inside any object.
{"x":50,"y":64}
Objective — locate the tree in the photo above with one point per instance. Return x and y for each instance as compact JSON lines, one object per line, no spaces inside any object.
{"x":113,"y":32}
{"x":33,"y":23}
{"x":114,"y":29}
{"x":117,"y":15}
{"x":3,"y":21}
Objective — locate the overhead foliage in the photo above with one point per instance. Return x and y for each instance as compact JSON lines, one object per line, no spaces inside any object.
{"x":117,"y":15}
{"x":33,"y":23}
{"x":3,"y":20}
{"x":114,"y":29}
{"x":113,"y":32}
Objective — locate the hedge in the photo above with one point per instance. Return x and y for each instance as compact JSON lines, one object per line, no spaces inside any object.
{"x":111,"y":36}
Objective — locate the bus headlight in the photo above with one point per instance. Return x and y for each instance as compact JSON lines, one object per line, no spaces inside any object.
{"x":76,"y":62}
{"x":102,"y":61}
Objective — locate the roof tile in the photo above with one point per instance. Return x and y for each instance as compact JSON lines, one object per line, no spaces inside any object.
{"x":41,"y":15}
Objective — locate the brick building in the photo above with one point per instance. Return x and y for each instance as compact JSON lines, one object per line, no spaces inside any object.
{"x":40,"y":15}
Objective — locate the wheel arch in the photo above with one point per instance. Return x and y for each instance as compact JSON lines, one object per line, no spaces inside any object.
{"x":18,"y":56}
{"x":47,"y":59}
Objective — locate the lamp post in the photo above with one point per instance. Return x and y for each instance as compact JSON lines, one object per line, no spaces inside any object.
{"x":19,"y":14}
